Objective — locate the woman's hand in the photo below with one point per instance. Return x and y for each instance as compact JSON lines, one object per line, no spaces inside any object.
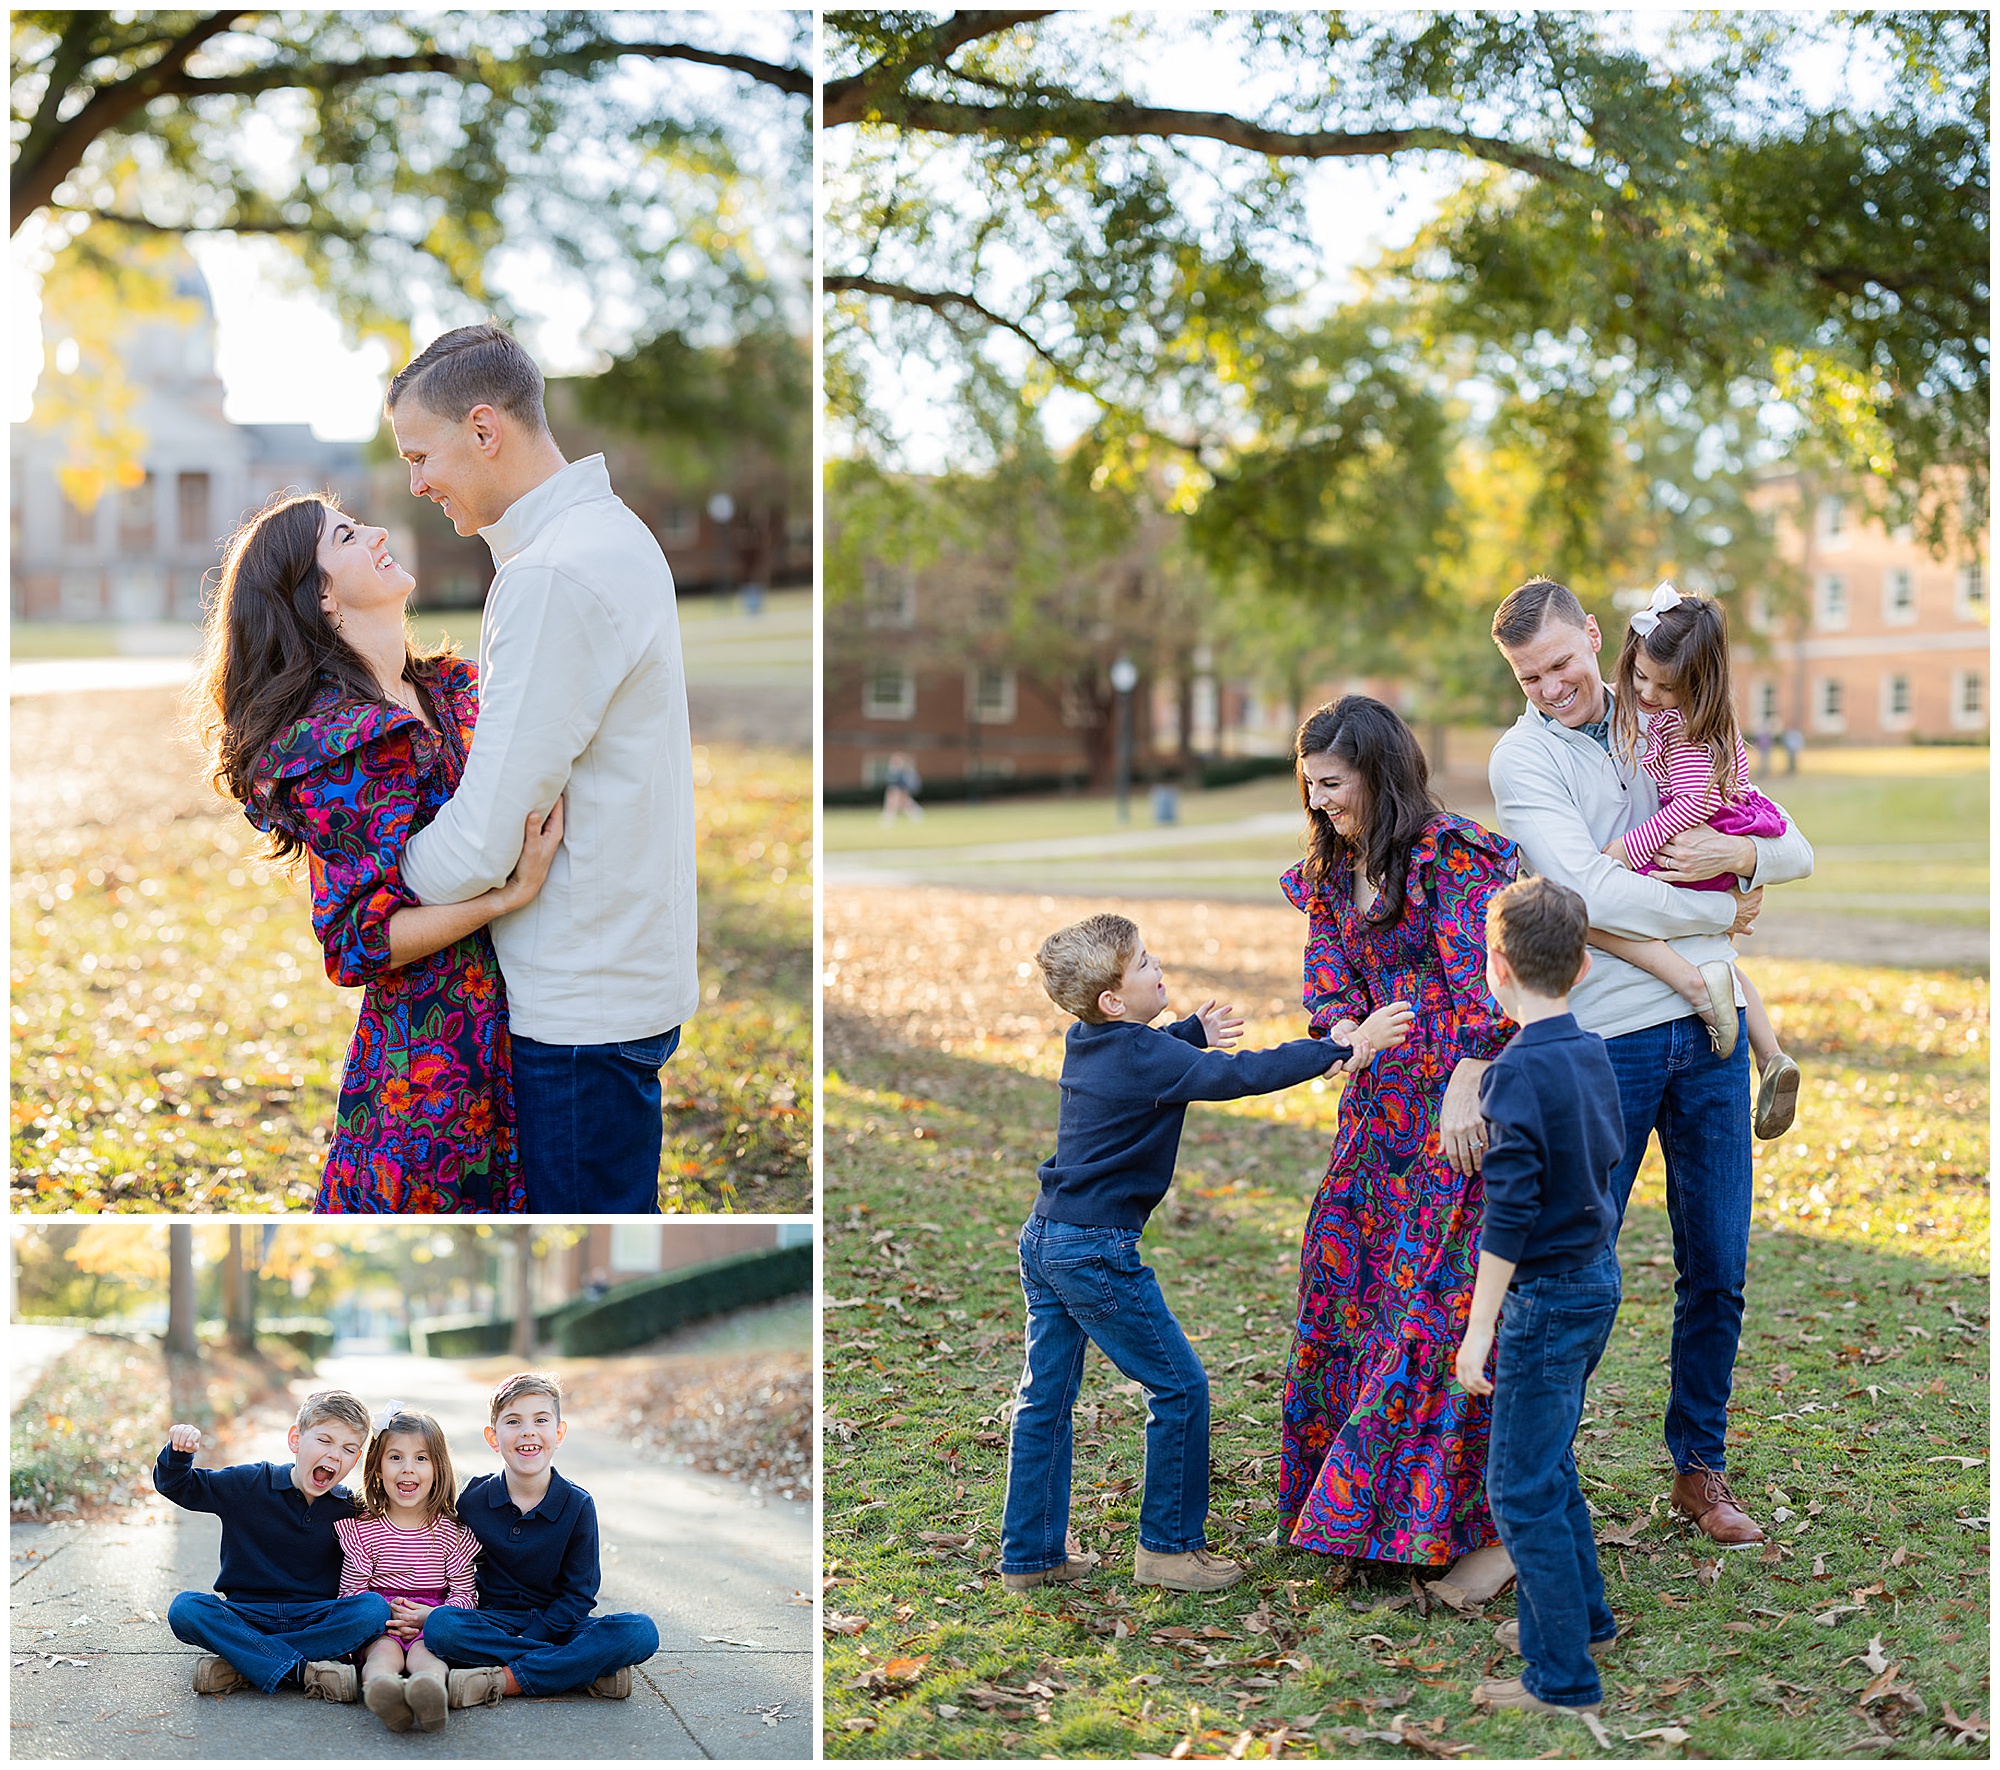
{"x":1221,"y":1025}
{"x":1385,"y":1029}
{"x":184,"y":1438}
{"x":1461,"y":1131}
{"x":538,"y":851}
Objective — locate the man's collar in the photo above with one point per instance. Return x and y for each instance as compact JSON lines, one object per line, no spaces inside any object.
{"x":530,"y":513}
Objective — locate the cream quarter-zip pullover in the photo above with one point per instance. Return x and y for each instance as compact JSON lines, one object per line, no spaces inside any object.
{"x":581,"y":689}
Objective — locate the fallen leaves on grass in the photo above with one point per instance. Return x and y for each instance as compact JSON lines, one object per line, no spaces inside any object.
{"x":747,"y":1416}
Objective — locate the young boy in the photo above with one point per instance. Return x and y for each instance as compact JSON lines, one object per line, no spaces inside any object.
{"x":278,"y":1620}
{"x":1554,"y":1132}
{"x":537,"y":1573}
{"x":1126,"y":1086}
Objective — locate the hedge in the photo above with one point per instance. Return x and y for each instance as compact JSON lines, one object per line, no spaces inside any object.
{"x":635,"y":1313}
{"x":472,"y":1336}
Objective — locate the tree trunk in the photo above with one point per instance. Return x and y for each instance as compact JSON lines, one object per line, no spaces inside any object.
{"x":239,"y":1284}
{"x":524,"y":1292}
{"x":180,"y":1288}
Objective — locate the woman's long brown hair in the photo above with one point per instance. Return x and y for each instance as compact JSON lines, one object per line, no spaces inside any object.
{"x":1379,"y":747}
{"x":269,"y":648}
{"x":1690,"y":644}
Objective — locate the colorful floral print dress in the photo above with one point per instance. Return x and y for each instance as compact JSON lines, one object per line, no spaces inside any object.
{"x":1384,"y":1456}
{"x":426,"y":1115}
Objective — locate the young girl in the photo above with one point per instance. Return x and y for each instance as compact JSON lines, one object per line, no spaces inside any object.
{"x":1674,"y":668}
{"x":408,"y":1545}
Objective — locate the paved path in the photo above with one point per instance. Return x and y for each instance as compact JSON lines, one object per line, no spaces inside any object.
{"x":31,"y":1348}
{"x":97,"y":1675}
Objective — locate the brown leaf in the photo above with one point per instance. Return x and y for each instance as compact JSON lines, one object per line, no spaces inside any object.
{"x":1970,"y":1730}
{"x":834,"y":1623}
{"x":1874,"y":1659}
{"x":1625,"y":1536}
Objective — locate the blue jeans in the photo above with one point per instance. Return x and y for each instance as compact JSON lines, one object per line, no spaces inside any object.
{"x":1553,"y":1331}
{"x":1087,"y":1284}
{"x":590,"y":1125}
{"x":265,"y":1641}
{"x":1669,"y":1081}
{"x":597,"y":1645}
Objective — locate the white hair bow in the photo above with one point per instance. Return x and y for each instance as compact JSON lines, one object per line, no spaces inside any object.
{"x":1665,"y":596}
{"x":387,"y":1413}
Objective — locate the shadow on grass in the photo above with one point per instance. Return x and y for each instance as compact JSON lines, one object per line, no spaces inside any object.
{"x":1860,"y":1415}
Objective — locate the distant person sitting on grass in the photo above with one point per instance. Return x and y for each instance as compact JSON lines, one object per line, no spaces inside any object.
{"x":278,"y":1621}
{"x":1126,"y":1086}
{"x":1547,"y":1259}
{"x":409,"y":1547}
{"x":533,"y":1634}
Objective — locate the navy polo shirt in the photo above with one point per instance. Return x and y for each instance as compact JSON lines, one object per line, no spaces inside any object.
{"x":1125,"y":1095}
{"x":278,"y":1546}
{"x":1554,"y":1133}
{"x":543,"y":1561}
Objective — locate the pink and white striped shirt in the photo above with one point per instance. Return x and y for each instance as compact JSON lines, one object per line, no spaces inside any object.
{"x":432,"y":1565}
{"x":1685,"y":775}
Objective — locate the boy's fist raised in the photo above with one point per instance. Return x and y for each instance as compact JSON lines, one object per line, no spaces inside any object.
{"x":184,"y":1438}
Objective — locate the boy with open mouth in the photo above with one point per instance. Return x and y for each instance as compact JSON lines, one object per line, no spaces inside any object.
{"x":533,"y":1634}
{"x":274,"y":1618}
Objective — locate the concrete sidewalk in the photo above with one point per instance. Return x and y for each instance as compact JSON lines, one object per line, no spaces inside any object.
{"x":97,"y":1675}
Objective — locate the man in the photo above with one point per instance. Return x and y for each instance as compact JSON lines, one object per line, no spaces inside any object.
{"x":581,"y":692}
{"x":1562,"y":796}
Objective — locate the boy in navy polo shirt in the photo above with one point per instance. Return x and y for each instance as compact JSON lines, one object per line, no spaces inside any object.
{"x":1126,"y":1086}
{"x":278,"y":1619}
{"x":1554,"y":1131}
{"x":537,"y":1573}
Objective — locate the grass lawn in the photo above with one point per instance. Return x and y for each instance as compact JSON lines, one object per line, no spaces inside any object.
{"x":178,"y":1047}
{"x":1861,"y":1396}
{"x":1900,"y":832}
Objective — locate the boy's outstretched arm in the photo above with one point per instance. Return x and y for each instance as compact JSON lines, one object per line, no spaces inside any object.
{"x":1488,"y":1288}
{"x":176,"y":1478}
{"x":1220,"y":1023}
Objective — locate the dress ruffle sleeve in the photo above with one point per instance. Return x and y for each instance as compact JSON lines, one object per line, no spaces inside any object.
{"x":1459,"y":867}
{"x":346,"y":781}
{"x":1332,"y":991}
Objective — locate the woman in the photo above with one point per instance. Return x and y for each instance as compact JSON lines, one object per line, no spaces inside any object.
{"x":339,"y":740}
{"x":1384,"y":1455}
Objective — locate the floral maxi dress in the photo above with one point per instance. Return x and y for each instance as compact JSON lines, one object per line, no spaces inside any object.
{"x":1384,"y":1456}
{"x":425,"y":1121}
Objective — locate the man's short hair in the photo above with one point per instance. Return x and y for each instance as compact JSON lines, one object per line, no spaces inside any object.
{"x":1080,"y":962}
{"x":1528,"y":609}
{"x":522,"y":1383}
{"x":1539,"y":928}
{"x":473,"y":366}
{"x":334,"y":1404}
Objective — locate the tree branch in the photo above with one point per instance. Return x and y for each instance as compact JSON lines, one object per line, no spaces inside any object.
{"x":1103,"y":119}
{"x":36,"y":176}
{"x":932,"y":49}
{"x":145,"y":224}
{"x":33,"y":181}
{"x":944,"y":302}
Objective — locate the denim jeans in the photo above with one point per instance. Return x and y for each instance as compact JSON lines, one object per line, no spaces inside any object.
{"x":1086,"y":1284}
{"x":590,"y":1124}
{"x":265,"y":1641}
{"x":597,"y":1645}
{"x":1553,"y":1331}
{"x":1670,"y":1081}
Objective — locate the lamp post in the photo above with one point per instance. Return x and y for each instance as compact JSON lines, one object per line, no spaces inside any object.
{"x":722,"y":512}
{"x":1124,"y":678}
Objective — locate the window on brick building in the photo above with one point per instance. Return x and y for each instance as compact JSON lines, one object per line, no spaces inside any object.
{"x":990,"y":696}
{"x":889,"y":596}
{"x":79,"y":524}
{"x":1896,"y":699}
{"x":136,"y":528}
{"x":197,"y":528}
{"x":890,"y":693}
{"x":1899,"y":595}
{"x":1830,"y":704}
{"x":1969,"y":589}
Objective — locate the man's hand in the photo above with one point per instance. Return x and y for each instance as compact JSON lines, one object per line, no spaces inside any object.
{"x":1461,"y":1127}
{"x":1749,"y":904}
{"x":1221,"y":1025}
{"x":1702,"y":853}
{"x":184,"y":1438}
{"x":1472,"y":1355}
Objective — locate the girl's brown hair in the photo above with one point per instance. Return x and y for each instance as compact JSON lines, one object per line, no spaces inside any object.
{"x":270,"y":646}
{"x":442,"y":1501}
{"x":1690,"y":644}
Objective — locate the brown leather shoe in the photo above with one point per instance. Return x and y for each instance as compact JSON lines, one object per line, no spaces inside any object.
{"x":1703,"y":1495}
{"x":1511,"y":1693}
{"x":1508,"y":1634}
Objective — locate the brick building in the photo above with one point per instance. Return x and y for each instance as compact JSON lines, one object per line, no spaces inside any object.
{"x":1891,"y":643}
